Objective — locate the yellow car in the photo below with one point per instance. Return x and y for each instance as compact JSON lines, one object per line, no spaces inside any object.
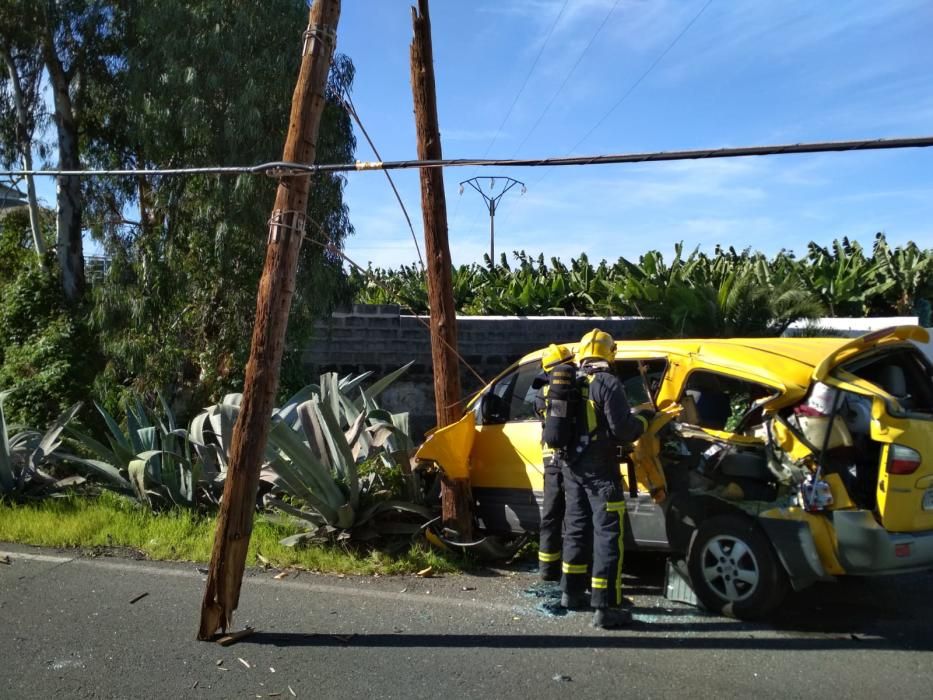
{"x":770,"y":462}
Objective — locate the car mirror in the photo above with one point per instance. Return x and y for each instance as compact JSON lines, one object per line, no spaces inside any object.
{"x":492,"y":409}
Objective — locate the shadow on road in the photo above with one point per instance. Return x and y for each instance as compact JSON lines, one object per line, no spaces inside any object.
{"x":890,"y":612}
{"x":556,"y":641}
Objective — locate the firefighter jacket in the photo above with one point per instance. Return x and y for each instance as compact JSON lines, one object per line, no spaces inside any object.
{"x":607,"y":411}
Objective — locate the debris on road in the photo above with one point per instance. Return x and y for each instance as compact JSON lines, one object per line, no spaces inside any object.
{"x":426,"y":573}
{"x":228,"y":639}
{"x":279,"y":576}
{"x":468,"y":588}
{"x":244,"y":662}
{"x":6,"y":560}
{"x":560,"y":678}
{"x":294,"y":695}
{"x":139,"y":597}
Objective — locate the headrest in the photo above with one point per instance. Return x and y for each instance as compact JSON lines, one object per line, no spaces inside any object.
{"x":892,"y":380}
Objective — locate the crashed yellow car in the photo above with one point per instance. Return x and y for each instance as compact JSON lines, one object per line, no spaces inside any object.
{"x":771,"y":462}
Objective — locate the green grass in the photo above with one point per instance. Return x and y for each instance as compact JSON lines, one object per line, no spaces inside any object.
{"x":109,"y":520}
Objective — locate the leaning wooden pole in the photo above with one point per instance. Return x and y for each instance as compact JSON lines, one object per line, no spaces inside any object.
{"x":286,"y":229}
{"x":455,"y":493}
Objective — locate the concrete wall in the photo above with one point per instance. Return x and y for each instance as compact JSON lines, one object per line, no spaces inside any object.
{"x":851,"y":327}
{"x":381,"y":339}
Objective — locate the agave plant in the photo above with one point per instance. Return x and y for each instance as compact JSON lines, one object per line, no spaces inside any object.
{"x":330,"y":450}
{"x":152,"y":458}
{"x":23,"y":453}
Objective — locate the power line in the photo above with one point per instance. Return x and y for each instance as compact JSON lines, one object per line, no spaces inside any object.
{"x":567,"y":77}
{"x":635,"y":84}
{"x":522,"y":88}
{"x":280,"y":169}
{"x":527,"y":77}
{"x":644,"y":75}
{"x":351,"y":110}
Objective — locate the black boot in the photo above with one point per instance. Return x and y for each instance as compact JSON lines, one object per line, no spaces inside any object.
{"x":575,"y":601}
{"x":612,"y":618}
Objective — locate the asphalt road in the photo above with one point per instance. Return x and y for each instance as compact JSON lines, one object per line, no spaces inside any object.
{"x":69,"y":628}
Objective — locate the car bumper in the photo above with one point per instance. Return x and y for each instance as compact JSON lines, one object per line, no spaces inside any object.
{"x":864,"y":547}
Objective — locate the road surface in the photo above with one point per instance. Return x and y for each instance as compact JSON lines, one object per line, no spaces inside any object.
{"x":69,"y":627}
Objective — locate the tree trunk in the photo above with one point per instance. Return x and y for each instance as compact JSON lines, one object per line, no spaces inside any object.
{"x":24,"y":141}
{"x":455,"y":493}
{"x":68,"y":224}
{"x":276,"y":288}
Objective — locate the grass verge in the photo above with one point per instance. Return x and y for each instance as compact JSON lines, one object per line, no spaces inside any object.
{"x":110,"y":520}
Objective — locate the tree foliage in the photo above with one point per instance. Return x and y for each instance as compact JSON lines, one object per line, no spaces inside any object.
{"x":175,"y":309}
{"x":174,"y":83}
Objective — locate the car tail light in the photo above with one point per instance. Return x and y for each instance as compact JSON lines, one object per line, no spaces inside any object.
{"x":902,"y":460}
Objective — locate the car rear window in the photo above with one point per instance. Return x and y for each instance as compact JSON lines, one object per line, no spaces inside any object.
{"x":903,"y":373}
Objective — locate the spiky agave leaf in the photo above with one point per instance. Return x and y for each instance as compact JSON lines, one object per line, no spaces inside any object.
{"x":7,"y":477}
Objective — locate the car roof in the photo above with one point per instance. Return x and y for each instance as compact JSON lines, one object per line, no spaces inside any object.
{"x":783,"y":361}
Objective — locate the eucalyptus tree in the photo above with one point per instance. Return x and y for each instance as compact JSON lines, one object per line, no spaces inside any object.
{"x":208,"y":83}
{"x":21,"y":110}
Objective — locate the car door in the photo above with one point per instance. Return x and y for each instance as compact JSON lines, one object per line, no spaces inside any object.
{"x":506,"y":462}
{"x":642,"y":378}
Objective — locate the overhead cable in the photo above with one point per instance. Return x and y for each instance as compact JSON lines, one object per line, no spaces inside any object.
{"x":644,"y":75}
{"x":351,"y":110}
{"x":527,"y":77}
{"x":280,"y":169}
{"x":560,"y":89}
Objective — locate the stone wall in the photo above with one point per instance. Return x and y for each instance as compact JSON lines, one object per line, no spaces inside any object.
{"x":380,"y":338}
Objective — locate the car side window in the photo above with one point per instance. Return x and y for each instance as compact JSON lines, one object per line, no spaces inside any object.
{"x":512,"y":398}
{"x":718,"y":401}
{"x":637,"y":386}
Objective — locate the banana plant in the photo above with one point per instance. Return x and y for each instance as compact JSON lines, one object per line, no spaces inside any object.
{"x":24,"y":453}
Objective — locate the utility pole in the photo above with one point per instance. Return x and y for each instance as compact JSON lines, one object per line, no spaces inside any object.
{"x":276,"y":288}
{"x":456,"y":495}
{"x":492,"y":202}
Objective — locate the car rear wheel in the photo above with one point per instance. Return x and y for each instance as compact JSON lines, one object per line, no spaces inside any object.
{"x":734,"y":570}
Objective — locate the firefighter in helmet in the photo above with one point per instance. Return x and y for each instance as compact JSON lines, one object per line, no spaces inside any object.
{"x":557,"y":360}
{"x":595,"y":505}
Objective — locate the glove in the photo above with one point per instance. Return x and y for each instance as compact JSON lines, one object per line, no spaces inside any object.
{"x":646,"y":413}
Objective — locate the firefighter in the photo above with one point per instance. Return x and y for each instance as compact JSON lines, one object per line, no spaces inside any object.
{"x":593,"y":486}
{"x":557,"y":359}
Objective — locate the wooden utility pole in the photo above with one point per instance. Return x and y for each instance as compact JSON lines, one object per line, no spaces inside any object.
{"x":456,"y":494}
{"x":276,"y":288}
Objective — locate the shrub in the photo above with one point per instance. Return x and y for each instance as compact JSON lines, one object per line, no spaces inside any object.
{"x":47,"y":357}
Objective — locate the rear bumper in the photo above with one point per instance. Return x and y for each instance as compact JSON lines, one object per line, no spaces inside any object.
{"x":864,"y":547}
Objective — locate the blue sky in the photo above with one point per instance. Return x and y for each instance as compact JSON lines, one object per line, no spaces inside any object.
{"x":745,"y":73}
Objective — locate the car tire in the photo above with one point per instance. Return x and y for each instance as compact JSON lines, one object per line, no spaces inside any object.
{"x":734,"y":570}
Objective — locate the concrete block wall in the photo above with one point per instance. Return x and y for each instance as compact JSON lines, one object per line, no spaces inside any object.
{"x":380,"y":338}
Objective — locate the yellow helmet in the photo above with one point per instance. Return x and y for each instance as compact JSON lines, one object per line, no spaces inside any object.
{"x":554,"y":355}
{"x":596,"y":344}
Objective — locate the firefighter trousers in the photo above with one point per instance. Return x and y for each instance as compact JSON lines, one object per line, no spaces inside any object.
{"x":552,"y":520}
{"x":594,"y":521}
